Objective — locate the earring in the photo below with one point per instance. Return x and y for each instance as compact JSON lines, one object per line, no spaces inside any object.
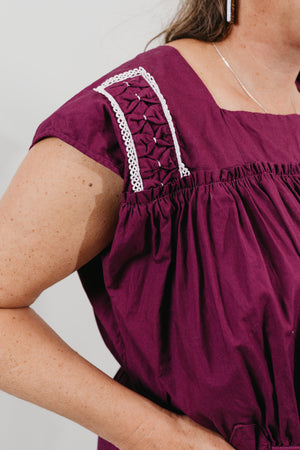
{"x":231,"y":11}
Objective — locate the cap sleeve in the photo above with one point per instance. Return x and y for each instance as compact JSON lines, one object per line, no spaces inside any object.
{"x":85,"y":122}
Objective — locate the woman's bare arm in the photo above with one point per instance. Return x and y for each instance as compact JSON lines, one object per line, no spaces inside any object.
{"x":38,"y":366}
{"x":59,"y":211}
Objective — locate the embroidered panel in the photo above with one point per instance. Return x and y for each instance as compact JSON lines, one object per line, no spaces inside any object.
{"x":147,"y":128}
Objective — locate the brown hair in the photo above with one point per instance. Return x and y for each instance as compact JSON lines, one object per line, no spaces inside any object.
{"x":204,"y":20}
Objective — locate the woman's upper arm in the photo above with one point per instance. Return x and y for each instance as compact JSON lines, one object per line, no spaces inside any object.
{"x":59,"y":211}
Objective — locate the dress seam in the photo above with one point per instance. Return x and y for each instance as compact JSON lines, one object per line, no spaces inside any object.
{"x":200,"y":185}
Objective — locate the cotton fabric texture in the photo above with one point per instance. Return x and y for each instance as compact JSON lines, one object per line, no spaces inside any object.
{"x":198,"y":294}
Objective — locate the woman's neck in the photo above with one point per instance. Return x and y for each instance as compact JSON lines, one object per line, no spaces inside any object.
{"x":266,"y":57}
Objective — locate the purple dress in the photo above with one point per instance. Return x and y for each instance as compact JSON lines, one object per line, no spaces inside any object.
{"x":198,"y":294}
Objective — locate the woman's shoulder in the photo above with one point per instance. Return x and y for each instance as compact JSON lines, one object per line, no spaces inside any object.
{"x":154,"y":60}
{"x":95,"y":124}
{"x":164,"y":59}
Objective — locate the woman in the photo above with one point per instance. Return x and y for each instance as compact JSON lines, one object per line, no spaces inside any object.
{"x":171,"y":185}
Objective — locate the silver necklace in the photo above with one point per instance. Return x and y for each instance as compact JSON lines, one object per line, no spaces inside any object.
{"x":240,"y":82}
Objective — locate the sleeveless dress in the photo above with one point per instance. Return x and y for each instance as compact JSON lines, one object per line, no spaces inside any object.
{"x":198,"y":294}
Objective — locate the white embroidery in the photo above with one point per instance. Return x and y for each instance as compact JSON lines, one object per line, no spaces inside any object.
{"x":184,"y":171}
{"x":135,"y":175}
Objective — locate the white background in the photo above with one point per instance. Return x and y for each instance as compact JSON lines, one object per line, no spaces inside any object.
{"x":49,"y":52}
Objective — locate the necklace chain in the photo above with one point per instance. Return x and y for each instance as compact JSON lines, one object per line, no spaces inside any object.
{"x":241,"y":84}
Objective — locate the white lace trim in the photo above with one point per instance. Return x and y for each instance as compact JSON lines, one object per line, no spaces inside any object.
{"x":135,"y":175}
{"x":133,"y":163}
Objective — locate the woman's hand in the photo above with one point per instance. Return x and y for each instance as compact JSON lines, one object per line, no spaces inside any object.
{"x":180,"y":433}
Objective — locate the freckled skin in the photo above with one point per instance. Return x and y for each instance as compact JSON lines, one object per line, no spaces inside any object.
{"x":39,"y":242}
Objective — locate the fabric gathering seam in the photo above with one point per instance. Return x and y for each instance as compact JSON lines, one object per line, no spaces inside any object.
{"x":196,"y":181}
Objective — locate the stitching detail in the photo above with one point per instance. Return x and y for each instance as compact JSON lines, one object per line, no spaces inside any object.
{"x":135,"y":175}
{"x":184,"y":171}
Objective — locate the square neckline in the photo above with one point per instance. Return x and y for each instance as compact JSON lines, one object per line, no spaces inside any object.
{"x":213,"y":101}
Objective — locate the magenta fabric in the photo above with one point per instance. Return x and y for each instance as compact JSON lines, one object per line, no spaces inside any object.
{"x":198,"y":294}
